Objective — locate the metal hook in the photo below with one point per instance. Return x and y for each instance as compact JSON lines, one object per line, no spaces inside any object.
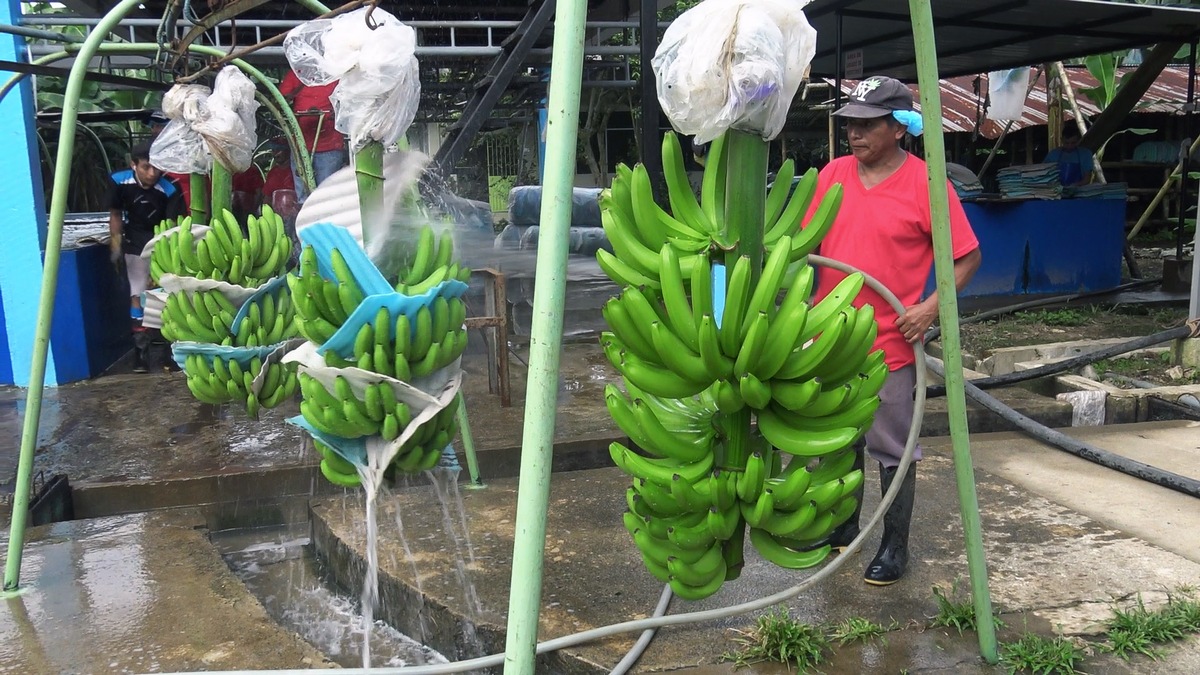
{"x":372,"y":23}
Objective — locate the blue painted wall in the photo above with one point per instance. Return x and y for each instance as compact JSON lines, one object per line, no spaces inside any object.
{"x":6,"y":376}
{"x":1046,"y":247}
{"x":22,"y":212}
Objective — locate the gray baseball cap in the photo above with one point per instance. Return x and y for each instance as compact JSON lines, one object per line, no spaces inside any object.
{"x":875,"y":97}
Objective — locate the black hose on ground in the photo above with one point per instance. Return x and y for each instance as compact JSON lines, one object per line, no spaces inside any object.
{"x":1189,"y":329}
{"x":936,"y":331}
{"x":1078,"y":448}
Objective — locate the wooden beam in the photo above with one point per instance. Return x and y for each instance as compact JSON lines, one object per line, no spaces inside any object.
{"x":1133,"y":87}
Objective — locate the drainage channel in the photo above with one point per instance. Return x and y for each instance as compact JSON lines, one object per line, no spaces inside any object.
{"x":278,"y":565}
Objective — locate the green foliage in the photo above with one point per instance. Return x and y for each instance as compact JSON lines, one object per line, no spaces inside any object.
{"x":1058,"y":317}
{"x":858,"y":629}
{"x":1041,"y":655}
{"x":955,"y":613}
{"x":778,"y":637}
{"x":1103,"y":67}
{"x":1140,"y":631}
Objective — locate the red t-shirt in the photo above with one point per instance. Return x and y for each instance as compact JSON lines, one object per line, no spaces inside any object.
{"x":278,"y":178}
{"x":313,"y":98}
{"x":250,"y":180}
{"x":886,"y":232}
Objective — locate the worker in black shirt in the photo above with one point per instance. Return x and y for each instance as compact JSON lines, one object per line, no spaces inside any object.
{"x":139,"y":199}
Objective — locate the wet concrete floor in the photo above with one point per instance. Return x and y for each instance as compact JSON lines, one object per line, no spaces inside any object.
{"x":137,"y":594}
{"x":130,"y":443}
{"x":1052,"y":570}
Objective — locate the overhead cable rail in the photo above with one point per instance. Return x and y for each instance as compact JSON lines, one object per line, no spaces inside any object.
{"x":435,"y":39}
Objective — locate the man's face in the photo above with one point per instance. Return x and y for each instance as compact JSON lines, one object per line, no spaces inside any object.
{"x":1070,"y":142}
{"x":873,"y":139}
{"x":147,"y":173}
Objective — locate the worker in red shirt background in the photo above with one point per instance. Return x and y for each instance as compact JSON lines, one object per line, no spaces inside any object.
{"x":254,"y":187}
{"x":314,"y":112}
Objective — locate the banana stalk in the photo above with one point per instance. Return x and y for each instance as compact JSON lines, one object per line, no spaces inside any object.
{"x":745,"y":209}
{"x":199,"y":205}
{"x":368,"y":168}
{"x":746,"y":198}
{"x":222,"y":188}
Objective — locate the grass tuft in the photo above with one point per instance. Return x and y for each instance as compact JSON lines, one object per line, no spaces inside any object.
{"x":956,"y":614}
{"x":857,"y":629}
{"x":1138,"y":630}
{"x":779,"y":637}
{"x":1041,"y":655}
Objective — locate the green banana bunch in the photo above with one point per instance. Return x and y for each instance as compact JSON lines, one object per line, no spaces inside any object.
{"x":404,"y":349}
{"x":431,"y":263}
{"x":162,"y":257}
{"x":340,"y":413}
{"x":269,"y":320}
{"x":420,"y":452}
{"x":685,"y":521}
{"x":336,"y":469}
{"x":804,"y":371}
{"x":223,"y":380}
{"x":322,"y":305}
{"x":224,"y":253}
{"x":198,"y":316}
{"x":423,"y":449}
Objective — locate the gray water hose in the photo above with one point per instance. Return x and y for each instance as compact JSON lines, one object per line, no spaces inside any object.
{"x":1190,"y":329}
{"x":1081,"y":449}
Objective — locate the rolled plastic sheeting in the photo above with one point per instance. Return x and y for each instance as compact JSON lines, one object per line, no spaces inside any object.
{"x":525,"y":206}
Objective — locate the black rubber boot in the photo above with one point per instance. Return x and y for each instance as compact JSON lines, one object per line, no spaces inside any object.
{"x":892,"y":558}
{"x":141,"y":348}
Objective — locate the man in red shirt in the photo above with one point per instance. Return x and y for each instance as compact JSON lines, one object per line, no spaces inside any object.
{"x":314,"y":112}
{"x":884,"y":228}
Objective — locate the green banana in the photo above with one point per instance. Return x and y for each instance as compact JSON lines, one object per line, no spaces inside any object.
{"x":674,"y":296}
{"x":736,"y":298}
{"x":684,"y":204}
{"x":750,"y":483}
{"x":819,"y":225}
{"x":660,"y":471}
{"x":772,"y":550}
{"x":801,"y":442}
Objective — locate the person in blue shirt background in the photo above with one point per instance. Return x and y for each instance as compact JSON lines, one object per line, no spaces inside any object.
{"x":1076,"y":165}
{"x":139,"y":198}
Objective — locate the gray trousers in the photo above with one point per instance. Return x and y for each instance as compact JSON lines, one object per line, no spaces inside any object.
{"x":889,"y":432}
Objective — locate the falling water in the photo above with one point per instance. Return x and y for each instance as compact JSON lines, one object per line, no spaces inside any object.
{"x":445,"y":485}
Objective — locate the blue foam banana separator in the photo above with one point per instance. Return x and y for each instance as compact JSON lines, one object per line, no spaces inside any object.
{"x":269,"y":287}
{"x":342,"y":341}
{"x":718,"y":291}
{"x":353,"y":450}
{"x":243,"y":355}
{"x":325,"y":237}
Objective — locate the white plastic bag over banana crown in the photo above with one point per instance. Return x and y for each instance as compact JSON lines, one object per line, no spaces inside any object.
{"x":207,"y":124}
{"x":379,"y":86}
{"x":733,"y":64}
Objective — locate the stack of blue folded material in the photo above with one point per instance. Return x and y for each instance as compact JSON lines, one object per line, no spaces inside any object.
{"x":1035,"y":181}
{"x":1097,"y":191}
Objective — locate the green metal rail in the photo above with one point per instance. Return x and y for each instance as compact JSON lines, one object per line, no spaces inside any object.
{"x":545,"y":344}
{"x":921,"y":15}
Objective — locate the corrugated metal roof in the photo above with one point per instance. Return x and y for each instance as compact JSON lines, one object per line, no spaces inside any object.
{"x":975,"y":36}
{"x":962,"y":106}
